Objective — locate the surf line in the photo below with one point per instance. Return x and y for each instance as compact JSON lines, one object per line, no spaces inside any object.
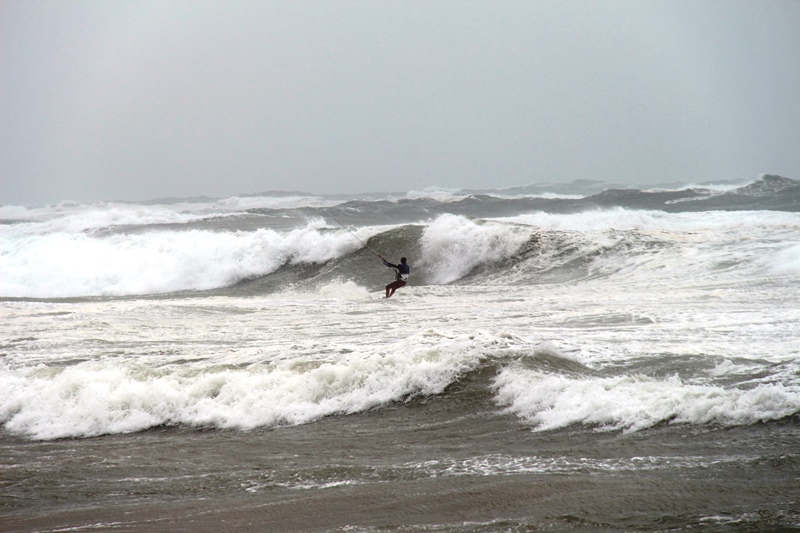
{"x":359,"y":239}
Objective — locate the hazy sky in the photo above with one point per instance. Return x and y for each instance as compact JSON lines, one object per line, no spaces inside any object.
{"x":124,"y":99}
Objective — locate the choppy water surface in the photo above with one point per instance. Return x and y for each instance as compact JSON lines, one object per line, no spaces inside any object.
{"x":191,"y":367}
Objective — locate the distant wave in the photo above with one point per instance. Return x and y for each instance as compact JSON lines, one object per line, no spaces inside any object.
{"x":768,"y":191}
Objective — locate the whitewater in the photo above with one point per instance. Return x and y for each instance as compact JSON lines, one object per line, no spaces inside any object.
{"x":638,"y":346}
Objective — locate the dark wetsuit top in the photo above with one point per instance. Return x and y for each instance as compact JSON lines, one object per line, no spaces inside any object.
{"x":403,"y":270}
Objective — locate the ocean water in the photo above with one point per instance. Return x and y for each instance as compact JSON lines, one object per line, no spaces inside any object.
{"x":626,"y":360}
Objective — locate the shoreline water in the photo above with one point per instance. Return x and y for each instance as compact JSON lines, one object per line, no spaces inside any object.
{"x":389,"y":469}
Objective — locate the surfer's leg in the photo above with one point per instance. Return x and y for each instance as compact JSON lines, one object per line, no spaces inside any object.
{"x":393,"y":286}
{"x":390,"y":288}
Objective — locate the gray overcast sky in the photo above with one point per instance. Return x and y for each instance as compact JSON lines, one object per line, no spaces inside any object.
{"x":146,"y":99}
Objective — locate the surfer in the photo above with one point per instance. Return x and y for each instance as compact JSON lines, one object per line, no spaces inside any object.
{"x":401,"y":275}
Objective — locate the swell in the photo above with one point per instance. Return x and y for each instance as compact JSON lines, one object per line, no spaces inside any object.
{"x":769,"y":193}
{"x":461,"y":251}
{"x":543,"y":388}
{"x":470,"y":240}
{"x":90,"y":398}
{"x":449,"y":249}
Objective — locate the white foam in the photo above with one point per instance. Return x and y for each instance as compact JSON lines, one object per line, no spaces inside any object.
{"x":78,"y":264}
{"x":594,"y":221}
{"x":16,"y":212}
{"x":630,"y":219}
{"x":549,"y":401}
{"x":453,"y":245}
{"x":118,"y":396}
{"x":77,"y":219}
{"x":347,"y":290}
{"x":129,"y":211}
{"x":73,"y":217}
{"x":677,"y":249}
{"x":440,"y":194}
{"x":242,"y":203}
{"x":787,"y":261}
